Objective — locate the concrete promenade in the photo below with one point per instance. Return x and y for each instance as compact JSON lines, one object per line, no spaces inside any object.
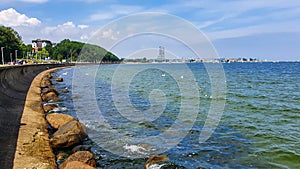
{"x":14,"y":84}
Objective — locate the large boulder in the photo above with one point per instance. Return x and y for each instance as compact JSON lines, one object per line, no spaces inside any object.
{"x":49,"y":76}
{"x":49,"y":107}
{"x":65,"y":141}
{"x":64,"y":91}
{"x":81,"y":148}
{"x":46,"y":82}
{"x":61,"y":156}
{"x":49,"y":89}
{"x":77,"y":165}
{"x":50,"y":96}
{"x":155,"y":161}
{"x":84,"y":157}
{"x":59,"y":79}
{"x":70,"y":134}
{"x":56,"y":120}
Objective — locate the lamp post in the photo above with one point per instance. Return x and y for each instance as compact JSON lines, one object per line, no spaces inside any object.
{"x":27,"y":56}
{"x":2,"y":55}
{"x":16,"y":54}
{"x":10,"y":58}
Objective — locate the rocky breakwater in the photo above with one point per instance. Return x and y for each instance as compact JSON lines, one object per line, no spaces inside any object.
{"x":43,"y":134}
{"x":66,"y":133}
{"x":33,"y":148}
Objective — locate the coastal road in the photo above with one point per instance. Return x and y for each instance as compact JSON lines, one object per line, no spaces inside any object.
{"x":14,"y":84}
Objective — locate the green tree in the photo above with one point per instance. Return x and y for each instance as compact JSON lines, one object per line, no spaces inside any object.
{"x":49,"y":49}
{"x":41,"y":54}
{"x":26,"y":49}
{"x":11,"y":41}
{"x":78,"y":51}
{"x":65,"y":49}
{"x":109,"y":57}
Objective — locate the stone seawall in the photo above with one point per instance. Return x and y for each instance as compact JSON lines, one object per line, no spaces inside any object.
{"x":14,"y":84}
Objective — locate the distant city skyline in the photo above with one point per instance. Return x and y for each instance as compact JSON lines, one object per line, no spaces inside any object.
{"x":262,"y":29}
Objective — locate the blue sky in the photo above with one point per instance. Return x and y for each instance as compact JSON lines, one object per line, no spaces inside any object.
{"x":263,"y":29}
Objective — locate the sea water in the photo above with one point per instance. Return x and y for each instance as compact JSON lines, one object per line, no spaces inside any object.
{"x":259,"y":127}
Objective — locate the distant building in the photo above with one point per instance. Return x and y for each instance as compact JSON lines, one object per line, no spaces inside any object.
{"x":39,"y":44}
{"x":161,"y":54}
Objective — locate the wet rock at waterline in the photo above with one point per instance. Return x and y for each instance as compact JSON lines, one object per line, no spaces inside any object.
{"x":77,"y":165}
{"x":81,"y":148}
{"x":49,"y":107}
{"x":64,"y":91}
{"x":56,"y":120}
{"x":49,"y":93}
{"x":65,"y":141}
{"x":73,"y":126}
{"x":59,"y":79}
{"x":155,"y":161}
{"x":49,"y":76}
{"x":45,"y":82}
{"x":61,"y":156}
{"x":49,"y":89}
{"x":50,"y":96}
{"x":85,"y":157}
{"x":70,"y":134}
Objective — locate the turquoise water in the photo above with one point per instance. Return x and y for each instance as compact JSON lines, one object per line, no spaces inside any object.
{"x":259,"y":127}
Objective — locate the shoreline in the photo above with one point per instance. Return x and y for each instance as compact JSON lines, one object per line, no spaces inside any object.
{"x":33,"y":146}
{"x":15,"y":82}
{"x":206,"y":62}
{"x":45,"y":137}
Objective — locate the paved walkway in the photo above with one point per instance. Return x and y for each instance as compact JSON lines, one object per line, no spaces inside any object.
{"x":14,"y":84}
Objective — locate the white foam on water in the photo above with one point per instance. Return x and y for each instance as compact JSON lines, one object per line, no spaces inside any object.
{"x":136,"y":149}
{"x":154,"y":166}
{"x":45,"y":104}
{"x":60,"y":109}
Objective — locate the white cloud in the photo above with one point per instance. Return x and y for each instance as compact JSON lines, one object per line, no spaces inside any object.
{"x":84,"y":37}
{"x":217,"y":18}
{"x":67,"y":24}
{"x":107,"y":33}
{"x":283,"y":27}
{"x":10,"y":17}
{"x":212,"y":22}
{"x":115,"y":11}
{"x":67,"y":30}
{"x":101,"y":16}
{"x":83,"y":26}
{"x":110,"y":34}
{"x":34,"y":1}
{"x":233,"y":19}
{"x":233,"y":6}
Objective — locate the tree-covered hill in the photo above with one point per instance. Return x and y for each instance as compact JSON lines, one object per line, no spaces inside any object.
{"x":78,"y":51}
{"x":67,"y":50}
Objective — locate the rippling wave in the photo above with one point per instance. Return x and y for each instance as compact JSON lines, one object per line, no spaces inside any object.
{"x":259,"y":127}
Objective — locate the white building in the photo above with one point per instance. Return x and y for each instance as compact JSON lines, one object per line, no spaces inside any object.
{"x":38,"y":44}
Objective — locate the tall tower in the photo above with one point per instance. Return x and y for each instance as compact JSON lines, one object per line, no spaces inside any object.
{"x":161,"y":54}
